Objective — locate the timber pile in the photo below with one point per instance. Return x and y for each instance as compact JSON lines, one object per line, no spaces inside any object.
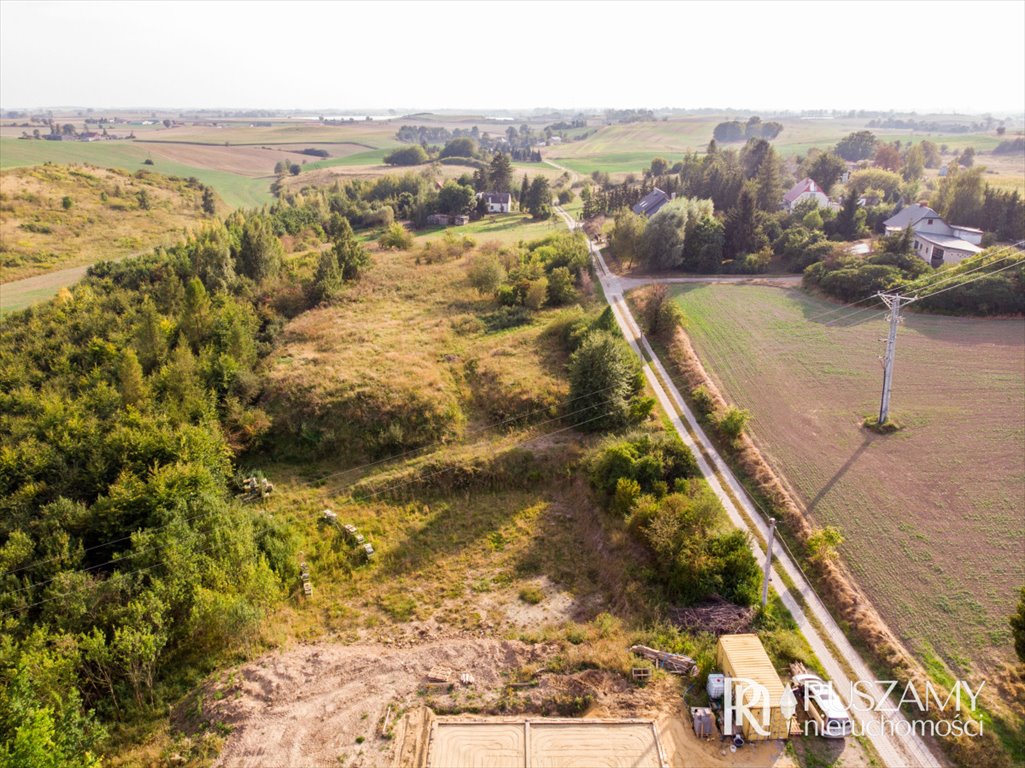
{"x":719,"y":617}
{"x":674,"y":663}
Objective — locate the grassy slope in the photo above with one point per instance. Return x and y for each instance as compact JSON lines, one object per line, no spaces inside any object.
{"x":932,"y":538}
{"x":39,"y":235}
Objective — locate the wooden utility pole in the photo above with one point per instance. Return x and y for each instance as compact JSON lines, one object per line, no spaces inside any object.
{"x":894,"y":301}
{"x":768,"y":561}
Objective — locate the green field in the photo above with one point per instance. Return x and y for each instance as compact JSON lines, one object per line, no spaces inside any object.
{"x":234,"y":189}
{"x":932,"y":515}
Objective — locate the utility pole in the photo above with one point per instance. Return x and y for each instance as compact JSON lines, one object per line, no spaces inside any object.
{"x":768,"y":561}
{"x":894,"y":301}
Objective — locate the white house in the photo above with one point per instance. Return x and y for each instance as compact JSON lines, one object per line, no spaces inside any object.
{"x":935,"y":241}
{"x":805,"y":189}
{"x":497,"y":202}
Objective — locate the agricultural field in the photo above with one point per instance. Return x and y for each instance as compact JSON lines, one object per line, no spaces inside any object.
{"x":931,"y":515}
{"x":57,"y":216}
{"x":629,"y":148}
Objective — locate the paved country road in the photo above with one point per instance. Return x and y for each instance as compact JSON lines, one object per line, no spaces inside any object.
{"x":842,"y":662}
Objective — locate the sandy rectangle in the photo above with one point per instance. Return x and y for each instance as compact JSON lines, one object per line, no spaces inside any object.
{"x":545,"y":744}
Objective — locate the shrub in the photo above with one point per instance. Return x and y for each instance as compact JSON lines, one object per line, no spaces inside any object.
{"x":627,"y":492}
{"x":732,"y":422}
{"x":704,"y":403}
{"x":532,"y":594}
{"x":396,"y":236}
{"x":823,"y":542}
{"x":486,"y":274}
{"x":537,"y":294}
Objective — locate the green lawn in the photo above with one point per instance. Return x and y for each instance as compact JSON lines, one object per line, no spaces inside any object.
{"x":237,"y":191}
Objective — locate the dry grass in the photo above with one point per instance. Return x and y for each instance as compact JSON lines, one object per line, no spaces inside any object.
{"x":37,"y":234}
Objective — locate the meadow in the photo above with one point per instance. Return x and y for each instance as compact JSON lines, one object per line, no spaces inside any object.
{"x":58,"y":216}
{"x":931,"y":515}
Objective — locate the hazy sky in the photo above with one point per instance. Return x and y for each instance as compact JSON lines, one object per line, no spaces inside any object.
{"x":806,"y":55}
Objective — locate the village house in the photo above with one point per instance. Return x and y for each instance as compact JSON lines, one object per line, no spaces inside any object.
{"x":651,"y":203}
{"x":497,"y":202}
{"x":935,"y":241}
{"x":805,"y":189}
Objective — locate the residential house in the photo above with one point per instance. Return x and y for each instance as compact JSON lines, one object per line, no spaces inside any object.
{"x":651,"y":203}
{"x":497,"y":202}
{"x":805,"y":189}
{"x":935,"y":241}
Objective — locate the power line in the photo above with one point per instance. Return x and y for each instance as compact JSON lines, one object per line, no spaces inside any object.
{"x":367,"y":465}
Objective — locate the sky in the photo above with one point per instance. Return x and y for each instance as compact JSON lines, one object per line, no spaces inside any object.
{"x":938,"y":56}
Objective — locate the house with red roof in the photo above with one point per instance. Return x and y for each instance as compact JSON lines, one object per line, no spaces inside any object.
{"x":805,"y":189}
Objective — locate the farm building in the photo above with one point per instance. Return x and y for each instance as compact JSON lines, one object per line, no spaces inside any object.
{"x":445,"y":220}
{"x":805,"y":189}
{"x":744,"y":657}
{"x":497,"y":202}
{"x":651,"y":203}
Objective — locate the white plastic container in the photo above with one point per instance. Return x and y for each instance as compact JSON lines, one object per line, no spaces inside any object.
{"x":716,"y":685}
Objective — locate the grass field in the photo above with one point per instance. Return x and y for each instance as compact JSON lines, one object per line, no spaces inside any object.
{"x":932,"y":515}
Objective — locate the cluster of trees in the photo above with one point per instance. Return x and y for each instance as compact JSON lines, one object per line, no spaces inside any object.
{"x":629,"y":115}
{"x":932,"y":126}
{"x":1014,"y":146}
{"x":988,"y":287}
{"x":754,"y":128}
{"x":739,"y":226}
{"x":124,"y":553}
{"x":963,"y":197}
{"x":684,"y":234}
{"x":436,"y":141}
{"x":544,"y":272}
{"x":653,"y":481}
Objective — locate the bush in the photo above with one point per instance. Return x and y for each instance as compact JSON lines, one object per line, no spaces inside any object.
{"x":413,"y":155}
{"x":396,"y":236}
{"x":532,"y":594}
{"x":732,"y":422}
{"x":654,"y":462}
{"x":486,"y":274}
{"x":704,"y":403}
{"x":536,"y":294}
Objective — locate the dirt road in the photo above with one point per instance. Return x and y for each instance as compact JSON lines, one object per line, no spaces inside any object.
{"x":839,"y":658}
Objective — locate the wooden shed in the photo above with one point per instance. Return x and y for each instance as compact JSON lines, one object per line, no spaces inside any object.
{"x":743,"y":656}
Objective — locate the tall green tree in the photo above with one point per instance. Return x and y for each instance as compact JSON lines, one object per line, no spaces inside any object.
{"x":741,"y":227}
{"x":260,"y":252}
{"x":500,"y":172}
{"x":769,"y":182}
{"x":824,"y":168}
{"x":350,"y":254}
{"x":627,"y":236}
{"x":604,"y":378}
{"x":539,"y":198}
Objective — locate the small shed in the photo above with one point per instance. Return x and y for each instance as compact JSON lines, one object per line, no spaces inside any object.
{"x":743,"y":656}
